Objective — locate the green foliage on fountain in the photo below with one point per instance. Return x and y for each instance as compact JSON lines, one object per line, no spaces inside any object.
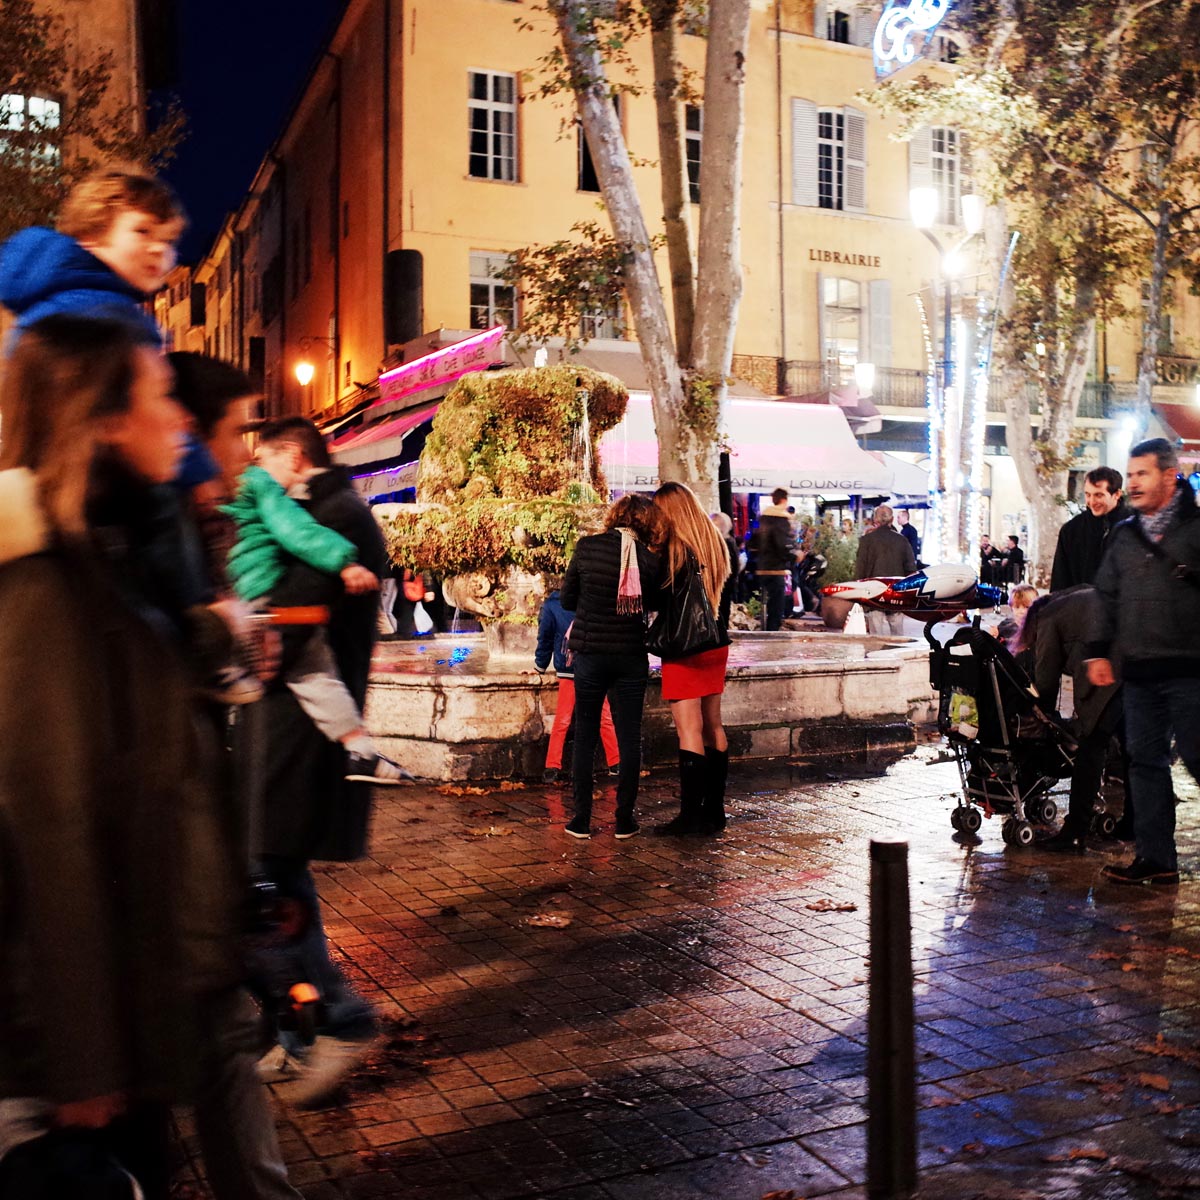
{"x":507,"y":479}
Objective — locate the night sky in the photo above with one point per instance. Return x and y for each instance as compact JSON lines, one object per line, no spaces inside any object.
{"x":241,"y":64}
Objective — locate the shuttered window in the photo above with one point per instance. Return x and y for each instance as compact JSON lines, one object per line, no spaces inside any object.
{"x":829,"y":157}
{"x":935,"y":160}
{"x":879,"y":316}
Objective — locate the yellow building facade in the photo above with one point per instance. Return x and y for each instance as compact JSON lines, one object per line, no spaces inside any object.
{"x":419,"y":156}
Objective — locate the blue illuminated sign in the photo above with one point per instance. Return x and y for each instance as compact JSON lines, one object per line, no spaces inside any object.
{"x":905,"y":28}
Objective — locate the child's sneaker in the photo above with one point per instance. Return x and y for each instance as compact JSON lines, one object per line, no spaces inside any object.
{"x":377,"y":769}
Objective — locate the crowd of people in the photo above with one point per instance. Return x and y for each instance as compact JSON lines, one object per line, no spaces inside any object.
{"x":153,"y":580}
{"x":144,"y":562}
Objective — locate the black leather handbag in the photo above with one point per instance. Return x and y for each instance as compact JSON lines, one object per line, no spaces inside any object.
{"x":685,"y":624}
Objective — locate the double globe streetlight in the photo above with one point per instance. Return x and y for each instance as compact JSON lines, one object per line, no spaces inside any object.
{"x":955,"y":446}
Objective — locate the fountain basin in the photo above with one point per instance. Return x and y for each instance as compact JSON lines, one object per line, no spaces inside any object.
{"x":445,"y":711}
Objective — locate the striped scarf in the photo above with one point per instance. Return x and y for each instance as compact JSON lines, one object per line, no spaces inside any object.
{"x":629,"y":589}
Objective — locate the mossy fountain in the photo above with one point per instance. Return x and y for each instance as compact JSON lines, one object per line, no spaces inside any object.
{"x":508,"y":482}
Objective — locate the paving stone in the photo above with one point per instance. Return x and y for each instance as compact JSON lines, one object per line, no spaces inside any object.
{"x":699,"y":1030}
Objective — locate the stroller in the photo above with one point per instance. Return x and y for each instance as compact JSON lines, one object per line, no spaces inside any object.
{"x":1011,"y":753}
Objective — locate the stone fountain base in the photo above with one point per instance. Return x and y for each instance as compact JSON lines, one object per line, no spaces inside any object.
{"x":444,"y":711}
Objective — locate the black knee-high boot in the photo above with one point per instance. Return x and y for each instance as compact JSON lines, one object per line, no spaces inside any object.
{"x":712,"y":813}
{"x":692,"y":770}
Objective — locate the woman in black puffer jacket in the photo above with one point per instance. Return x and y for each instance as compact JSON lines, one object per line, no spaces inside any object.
{"x":611,"y":584}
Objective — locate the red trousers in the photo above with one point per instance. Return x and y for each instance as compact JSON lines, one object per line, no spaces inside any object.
{"x":562,"y":722}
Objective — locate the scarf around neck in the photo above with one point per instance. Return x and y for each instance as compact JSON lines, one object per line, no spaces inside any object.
{"x":1156,"y":525}
{"x":629,"y":589}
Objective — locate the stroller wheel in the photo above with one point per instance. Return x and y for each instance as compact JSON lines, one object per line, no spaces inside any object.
{"x":956,"y":818}
{"x":1017,"y":833}
{"x":971,"y":820}
{"x":1104,"y":824}
{"x":1044,"y":811}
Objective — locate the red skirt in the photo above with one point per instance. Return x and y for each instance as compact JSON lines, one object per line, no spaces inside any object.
{"x":697,"y":675}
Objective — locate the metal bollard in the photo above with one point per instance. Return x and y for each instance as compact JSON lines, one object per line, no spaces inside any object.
{"x":891,"y":1069}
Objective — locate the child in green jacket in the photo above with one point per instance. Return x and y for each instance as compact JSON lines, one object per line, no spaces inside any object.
{"x":271,"y":527}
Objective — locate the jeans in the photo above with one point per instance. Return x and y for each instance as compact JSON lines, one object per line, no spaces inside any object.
{"x":775,"y":593}
{"x":621,"y":677}
{"x":562,"y":724}
{"x":1152,"y":709}
{"x":306,"y":959}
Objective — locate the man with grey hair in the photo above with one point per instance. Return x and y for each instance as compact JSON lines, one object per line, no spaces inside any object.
{"x":884,"y":552}
{"x":1147,"y":628}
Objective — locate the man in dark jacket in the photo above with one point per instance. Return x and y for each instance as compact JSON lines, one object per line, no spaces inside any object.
{"x":884,"y":553}
{"x":1081,"y":541}
{"x":1147,"y":620}
{"x":775,"y":552}
{"x":309,"y":811}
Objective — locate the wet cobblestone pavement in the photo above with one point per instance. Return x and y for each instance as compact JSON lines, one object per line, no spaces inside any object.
{"x":662,"y":1018}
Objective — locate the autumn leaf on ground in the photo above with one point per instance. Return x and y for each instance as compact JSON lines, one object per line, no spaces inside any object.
{"x":975,"y":1149}
{"x":788,"y":1195}
{"x":1161,"y":1048}
{"x":489,"y":831}
{"x":1160,"y":1083}
{"x":1165,"y":1109}
{"x":831,"y":906}
{"x":456,"y":789}
{"x":510,"y":785}
{"x":1106,"y":956}
{"x":1130,"y":967}
{"x":550,"y":920}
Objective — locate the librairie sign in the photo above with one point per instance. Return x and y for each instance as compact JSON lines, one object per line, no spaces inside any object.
{"x":905,"y":28}
{"x":442,"y":366}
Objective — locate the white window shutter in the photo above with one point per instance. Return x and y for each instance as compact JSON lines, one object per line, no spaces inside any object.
{"x":879,"y":314}
{"x":820,"y":18}
{"x":862,"y":25}
{"x":920,"y":159}
{"x":854,"y":191}
{"x":804,"y":153}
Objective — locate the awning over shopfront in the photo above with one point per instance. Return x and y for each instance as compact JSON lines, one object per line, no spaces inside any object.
{"x":806,"y":448}
{"x":1183,"y":420}
{"x":377,"y":443}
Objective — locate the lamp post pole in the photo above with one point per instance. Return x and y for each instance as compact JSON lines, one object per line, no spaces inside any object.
{"x":945,"y":492}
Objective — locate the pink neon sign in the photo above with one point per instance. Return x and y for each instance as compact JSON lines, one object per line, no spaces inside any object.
{"x":442,"y":366}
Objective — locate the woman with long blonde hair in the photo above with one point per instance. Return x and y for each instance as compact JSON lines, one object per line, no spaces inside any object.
{"x":693,"y":685}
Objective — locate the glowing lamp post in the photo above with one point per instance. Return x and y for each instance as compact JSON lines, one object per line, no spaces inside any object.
{"x":304,"y":372}
{"x":951,"y":439}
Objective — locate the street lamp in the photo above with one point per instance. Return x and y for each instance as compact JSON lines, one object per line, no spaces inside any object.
{"x":945,"y":424}
{"x":304,"y":372}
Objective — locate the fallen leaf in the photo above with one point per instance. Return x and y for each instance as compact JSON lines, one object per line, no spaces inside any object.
{"x":510,"y":785}
{"x":831,"y":906}
{"x":1091,"y":1153}
{"x":490,"y":831}
{"x":1161,"y":1048}
{"x":1124,"y":928}
{"x":1165,"y":1109}
{"x":550,"y":920}
{"x":788,"y":1195}
{"x":1130,"y":967}
{"x":1106,"y":956}
{"x":1160,"y":1083}
{"x":975,"y":1149}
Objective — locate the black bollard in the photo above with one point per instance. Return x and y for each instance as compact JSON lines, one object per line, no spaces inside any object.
{"x":891,"y":1069}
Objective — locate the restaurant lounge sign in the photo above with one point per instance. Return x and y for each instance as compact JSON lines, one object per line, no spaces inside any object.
{"x":443,"y":366}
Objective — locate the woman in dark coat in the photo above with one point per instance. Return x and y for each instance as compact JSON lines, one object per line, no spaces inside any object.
{"x":118,"y":889}
{"x":611,"y":583}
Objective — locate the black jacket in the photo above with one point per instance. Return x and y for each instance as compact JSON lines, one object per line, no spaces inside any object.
{"x":309,"y":811}
{"x":590,"y":592}
{"x":1081,"y":545}
{"x":1148,"y":618}
{"x":884,"y":552}
{"x":1062,"y":632}
{"x":774,"y":541}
